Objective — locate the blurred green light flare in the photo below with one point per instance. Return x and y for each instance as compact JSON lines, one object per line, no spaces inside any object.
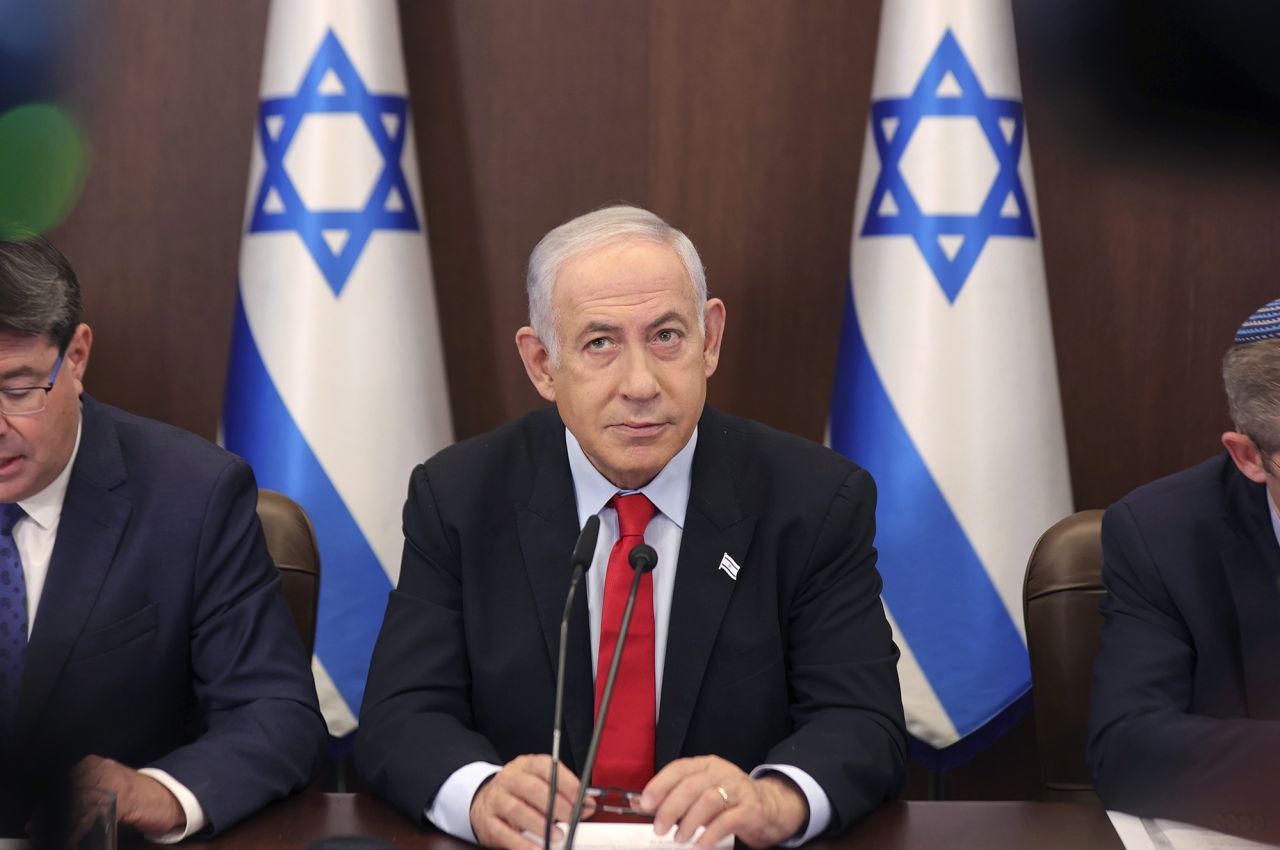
{"x":43,"y":161}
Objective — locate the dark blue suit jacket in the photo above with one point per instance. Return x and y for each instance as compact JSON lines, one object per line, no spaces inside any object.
{"x":1186,"y":697}
{"x":792,"y":663}
{"x":162,"y":639}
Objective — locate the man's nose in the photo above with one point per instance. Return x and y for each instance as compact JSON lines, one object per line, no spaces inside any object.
{"x":639,"y":382}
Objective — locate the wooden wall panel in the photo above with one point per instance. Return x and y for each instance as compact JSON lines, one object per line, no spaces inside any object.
{"x":1151,"y":271}
{"x":168,"y":95}
{"x":1157,"y":224}
{"x":758,"y":118}
{"x":524,"y":113}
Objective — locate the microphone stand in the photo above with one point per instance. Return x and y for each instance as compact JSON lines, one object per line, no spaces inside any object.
{"x":559,"y":709}
{"x":583,"y":551}
{"x":642,"y":559}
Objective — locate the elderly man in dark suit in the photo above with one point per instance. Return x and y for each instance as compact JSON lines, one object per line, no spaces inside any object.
{"x":757,"y":692}
{"x":145,"y":647}
{"x":1186,"y":700}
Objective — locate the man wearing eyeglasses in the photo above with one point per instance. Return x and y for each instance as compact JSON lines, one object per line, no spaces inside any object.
{"x":1186,"y":701}
{"x":145,"y":648}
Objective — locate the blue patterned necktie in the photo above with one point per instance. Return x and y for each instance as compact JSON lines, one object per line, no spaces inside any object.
{"x":13,"y":614}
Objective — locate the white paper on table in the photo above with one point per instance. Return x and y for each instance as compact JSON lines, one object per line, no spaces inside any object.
{"x":1160,"y":834}
{"x":629,"y":836}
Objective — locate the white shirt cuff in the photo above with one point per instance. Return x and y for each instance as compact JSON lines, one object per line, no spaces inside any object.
{"x":451,"y":810}
{"x":819,"y":804}
{"x":190,"y":807}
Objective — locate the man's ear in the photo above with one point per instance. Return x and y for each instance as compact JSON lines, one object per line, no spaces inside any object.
{"x":76,"y":358}
{"x":1244,"y":451}
{"x":712,"y":336}
{"x":537,"y":362}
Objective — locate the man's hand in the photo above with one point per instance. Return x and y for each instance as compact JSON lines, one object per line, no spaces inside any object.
{"x":141,"y":802}
{"x":711,"y":792}
{"x":514,"y":800}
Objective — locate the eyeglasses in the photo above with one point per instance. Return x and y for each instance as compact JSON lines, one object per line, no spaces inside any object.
{"x":28,"y":401}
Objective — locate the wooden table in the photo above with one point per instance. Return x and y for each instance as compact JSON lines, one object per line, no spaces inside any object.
{"x":294,"y":823}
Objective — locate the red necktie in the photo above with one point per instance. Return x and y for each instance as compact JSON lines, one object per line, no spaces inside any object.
{"x":626,"y":755}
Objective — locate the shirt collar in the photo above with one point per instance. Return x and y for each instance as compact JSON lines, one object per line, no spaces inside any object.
{"x":669,"y":490}
{"x":45,"y":507}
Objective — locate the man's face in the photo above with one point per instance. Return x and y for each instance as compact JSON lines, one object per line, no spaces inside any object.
{"x":632,"y":377}
{"x":34,"y":449}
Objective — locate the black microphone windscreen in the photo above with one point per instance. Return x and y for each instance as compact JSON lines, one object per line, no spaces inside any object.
{"x":585,"y":549}
{"x":643,"y":558}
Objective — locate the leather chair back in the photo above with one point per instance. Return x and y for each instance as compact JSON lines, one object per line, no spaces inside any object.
{"x":292,"y":544}
{"x":1060,"y":597}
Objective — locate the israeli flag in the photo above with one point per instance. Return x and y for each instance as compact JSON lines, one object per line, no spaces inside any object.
{"x":336,"y":385}
{"x":946,"y":387}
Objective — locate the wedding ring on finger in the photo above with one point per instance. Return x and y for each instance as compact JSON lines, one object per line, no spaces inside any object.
{"x":724,"y":795}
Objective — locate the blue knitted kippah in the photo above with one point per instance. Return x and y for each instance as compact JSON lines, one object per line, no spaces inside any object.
{"x":1263,"y":324}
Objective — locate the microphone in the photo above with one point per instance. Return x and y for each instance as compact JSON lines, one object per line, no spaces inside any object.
{"x":642,"y":560}
{"x":583,"y":551}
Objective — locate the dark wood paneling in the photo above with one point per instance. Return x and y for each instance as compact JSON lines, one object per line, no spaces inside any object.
{"x":167,"y":93}
{"x":527,"y":114}
{"x":758,"y":117}
{"x":706,"y":112}
{"x":1158,"y":240}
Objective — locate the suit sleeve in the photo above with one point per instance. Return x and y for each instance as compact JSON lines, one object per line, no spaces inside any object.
{"x":846,"y":705}
{"x":416,"y":725}
{"x":263,"y":733}
{"x":1149,"y":754}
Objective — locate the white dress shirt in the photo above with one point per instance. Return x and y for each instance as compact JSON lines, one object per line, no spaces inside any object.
{"x":669,"y":493}
{"x":34,"y":535}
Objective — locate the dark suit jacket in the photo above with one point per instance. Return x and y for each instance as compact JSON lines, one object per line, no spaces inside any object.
{"x":792,"y":663}
{"x":162,"y":639}
{"x":1186,"y":697}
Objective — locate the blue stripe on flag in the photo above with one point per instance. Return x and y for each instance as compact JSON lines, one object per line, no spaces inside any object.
{"x":353,"y":586}
{"x":934,"y":584}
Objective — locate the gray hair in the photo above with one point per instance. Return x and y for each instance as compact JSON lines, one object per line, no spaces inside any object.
{"x":39,"y":293}
{"x":1251,"y":375}
{"x":588,"y":232}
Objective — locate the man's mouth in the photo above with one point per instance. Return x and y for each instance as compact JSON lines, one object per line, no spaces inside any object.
{"x":9,"y":463}
{"x":640,"y":429}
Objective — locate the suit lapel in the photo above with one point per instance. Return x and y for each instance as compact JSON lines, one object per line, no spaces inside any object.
{"x":1251,"y":561}
{"x":93,"y":519}
{"x":714,"y":525}
{"x":548,"y":526}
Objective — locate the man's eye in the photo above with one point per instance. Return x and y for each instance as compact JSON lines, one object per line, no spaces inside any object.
{"x":667,"y":337}
{"x":598,"y":344}
{"x":18,"y":394}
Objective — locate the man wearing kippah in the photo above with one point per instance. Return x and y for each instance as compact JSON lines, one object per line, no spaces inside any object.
{"x":1186,"y":698}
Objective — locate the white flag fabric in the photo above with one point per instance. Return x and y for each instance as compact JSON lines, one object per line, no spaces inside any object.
{"x":336,"y":386}
{"x":947,"y":389}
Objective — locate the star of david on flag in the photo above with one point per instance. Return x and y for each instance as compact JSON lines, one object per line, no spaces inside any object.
{"x":950,"y":243}
{"x":946,"y":386}
{"x":335,"y":237}
{"x":336,"y":384}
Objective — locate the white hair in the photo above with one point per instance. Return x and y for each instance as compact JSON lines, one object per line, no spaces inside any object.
{"x":586,"y":233}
